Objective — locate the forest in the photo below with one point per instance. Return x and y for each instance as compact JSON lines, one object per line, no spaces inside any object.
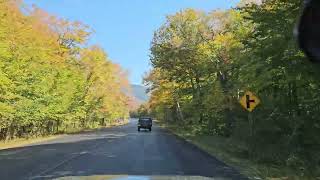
{"x":51,"y":81}
{"x":203,"y":63}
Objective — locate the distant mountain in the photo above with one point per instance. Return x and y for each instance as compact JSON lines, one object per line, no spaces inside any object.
{"x":137,"y":96}
{"x":139,"y":92}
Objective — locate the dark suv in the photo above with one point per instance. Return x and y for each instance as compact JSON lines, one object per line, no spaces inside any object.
{"x":145,"y":123}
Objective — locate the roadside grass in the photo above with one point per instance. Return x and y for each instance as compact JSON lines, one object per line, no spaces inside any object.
{"x":231,"y":152}
{"x":20,"y":142}
{"x":76,"y":131}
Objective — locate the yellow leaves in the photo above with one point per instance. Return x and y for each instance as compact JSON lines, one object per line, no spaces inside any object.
{"x":224,"y":39}
{"x":176,"y":41}
{"x":47,"y":74}
{"x":164,"y":92}
{"x":29,"y":37}
{"x":5,"y":82}
{"x":188,"y":52}
{"x":71,"y":33}
{"x":227,"y":46}
{"x":204,"y":50}
{"x":107,"y":80}
{"x":64,"y":36}
{"x":190,"y":14}
{"x":5,"y":109}
{"x":93,"y":55}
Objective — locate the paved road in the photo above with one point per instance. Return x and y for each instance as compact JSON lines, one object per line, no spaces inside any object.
{"x":112,"y":151}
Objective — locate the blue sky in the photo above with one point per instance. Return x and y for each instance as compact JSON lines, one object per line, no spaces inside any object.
{"x":124,"y":28}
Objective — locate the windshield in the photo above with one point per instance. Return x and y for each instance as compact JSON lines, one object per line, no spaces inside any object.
{"x":145,"y":119}
{"x":179,"y":89}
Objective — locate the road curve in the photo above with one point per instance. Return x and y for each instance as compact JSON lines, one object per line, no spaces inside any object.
{"x":112,"y":151}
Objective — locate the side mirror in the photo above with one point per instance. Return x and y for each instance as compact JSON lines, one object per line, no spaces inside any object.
{"x":309,"y":30}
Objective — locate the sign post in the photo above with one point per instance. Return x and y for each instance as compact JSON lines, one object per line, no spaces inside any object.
{"x":249,"y":102}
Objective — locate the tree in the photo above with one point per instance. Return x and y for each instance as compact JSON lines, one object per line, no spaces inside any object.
{"x":206,"y":61}
{"x":50,"y":81}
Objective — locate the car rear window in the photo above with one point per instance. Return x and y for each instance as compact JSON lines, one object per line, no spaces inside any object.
{"x":145,"y":119}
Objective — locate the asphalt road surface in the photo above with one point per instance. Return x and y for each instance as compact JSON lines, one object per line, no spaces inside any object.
{"x":112,"y":151}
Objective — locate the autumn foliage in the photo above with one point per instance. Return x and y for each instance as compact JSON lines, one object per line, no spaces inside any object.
{"x":204,"y":62}
{"x":50,"y":81}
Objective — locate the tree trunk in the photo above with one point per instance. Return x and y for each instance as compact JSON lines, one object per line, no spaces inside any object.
{"x":10,"y":133}
{"x":179,"y":111}
{"x":199,"y":100}
{"x":227,"y":111}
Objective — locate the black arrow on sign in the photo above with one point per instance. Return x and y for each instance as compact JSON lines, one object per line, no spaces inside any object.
{"x":249,"y":101}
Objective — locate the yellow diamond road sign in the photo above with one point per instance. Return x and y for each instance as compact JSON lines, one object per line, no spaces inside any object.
{"x":249,"y":101}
